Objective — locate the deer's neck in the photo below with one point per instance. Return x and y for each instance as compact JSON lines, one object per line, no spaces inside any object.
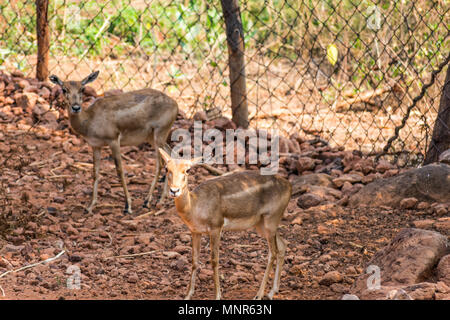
{"x":79,"y":122}
{"x":183,"y":204}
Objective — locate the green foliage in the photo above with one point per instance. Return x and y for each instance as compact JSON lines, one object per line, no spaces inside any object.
{"x":416,"y":32}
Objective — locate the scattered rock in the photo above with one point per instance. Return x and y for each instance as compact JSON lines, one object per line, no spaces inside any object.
{"x":405,"y":263}
{"x":440,"y":209}
{"x":308,"y":200}
{"x":408,"y":203}
{"x":297,"y":220}
{"x":423,"y":205}
{"x":133,"y":277}
{"x":331,"y":277}
{"x":350,"y":178}
{"x":443,"y":225}
{"x":428,"y":183}
{"x":423,"y":224}
{"x":12,"y":248}
{"x":444,"y":157}
{"x":26,"y":100}
{"x":315,"y":179}
{"x":305,"y":164}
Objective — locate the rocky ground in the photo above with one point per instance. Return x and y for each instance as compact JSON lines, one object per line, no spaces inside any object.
{"x":332,"y":230}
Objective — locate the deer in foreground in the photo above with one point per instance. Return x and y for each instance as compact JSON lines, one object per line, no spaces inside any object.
{"x":128,"y":119}
{"x":238,"y":201}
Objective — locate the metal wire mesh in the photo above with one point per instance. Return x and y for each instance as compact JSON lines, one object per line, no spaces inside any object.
{"x":345,"y":70}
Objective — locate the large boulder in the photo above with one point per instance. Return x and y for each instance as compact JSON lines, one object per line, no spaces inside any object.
{"x":443,"y":270}
{"x":315,"y":179}
{"x":407,"y":264}
{"x":445,"y":157}
{"x":429,"y":183}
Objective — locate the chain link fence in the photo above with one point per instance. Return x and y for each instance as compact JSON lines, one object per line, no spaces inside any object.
{"x":345,"y":70}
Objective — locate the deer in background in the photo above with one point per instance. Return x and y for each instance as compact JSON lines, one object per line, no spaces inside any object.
{"x":238,"y":201}
{"x":128,"y":119}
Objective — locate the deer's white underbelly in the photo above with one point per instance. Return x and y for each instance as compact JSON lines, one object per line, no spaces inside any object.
{"x":240,"y":223}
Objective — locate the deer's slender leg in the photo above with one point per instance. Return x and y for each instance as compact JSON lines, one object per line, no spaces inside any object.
{"x":115,"y":149}
{"x":214,"y":237}
{"x":281,"y":246}
{"x":96,"y":159}
{"x":164,"y":192}
{"x":271,"y":240}
{"x":155,"y":179}
{"x":196,"y":238}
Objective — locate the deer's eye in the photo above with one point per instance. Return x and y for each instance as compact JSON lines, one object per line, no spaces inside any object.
{"x":82,"y":90}
{"x":64,"y":90}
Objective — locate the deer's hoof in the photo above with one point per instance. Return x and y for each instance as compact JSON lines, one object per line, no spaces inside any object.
{"x":127,"y":209}
{"x":271,"y":294}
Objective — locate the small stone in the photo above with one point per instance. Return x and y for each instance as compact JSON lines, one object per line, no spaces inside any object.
{"x":185,"y":238}
{"x":443,"y":270}
{"x":351,"y":178}
{"x":58,"y":199}
{"x":384,"y":166}
{"x":133,"y":277}
{"x":297,"y":220}
{"x":443,"y":225}
{"x":444,"y":157}
{"x":423,"y":224}
{"x":346,"y":187}
{"x":44,"y":256}
{"x":305,"y":164}
{"x":200,"y":116}
{"x":171,"y":254}
{"x":408,"y":203}
{"x":440,"y":209}
{"x":26,"y":100}
{"x":308,"y":200}
{"x":442,"y":287}
{"x":423,"y":205}
{"x":75,"y":258}
{"x":323,"y":229}
{"x":330,"y":278}
{"x":12,"y":248}
{"x":296,"y":270}
{"x":338,"y":288}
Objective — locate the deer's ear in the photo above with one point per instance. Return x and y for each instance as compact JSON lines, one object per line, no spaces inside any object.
{"x":90,"y":78}
{"x":55,"y":80}
{"x":166,"y":157}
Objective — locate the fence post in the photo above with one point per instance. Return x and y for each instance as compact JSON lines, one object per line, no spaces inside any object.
{"x":43,"y":39}
{"x":236,"y":63}
{"x":440,"y":140}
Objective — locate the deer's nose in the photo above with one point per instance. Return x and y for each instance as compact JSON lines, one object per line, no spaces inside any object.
{"x":76,"y":108}
{"x":174,"y":192}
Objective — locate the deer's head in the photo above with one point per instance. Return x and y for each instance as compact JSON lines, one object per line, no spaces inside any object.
{"x":177,"y":173}
{"x":73,"y":90}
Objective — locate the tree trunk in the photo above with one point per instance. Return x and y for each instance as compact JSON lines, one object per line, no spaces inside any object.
{"x":43,"y":39}
{"x":441,"y":132}
{"x":236,"y":62}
